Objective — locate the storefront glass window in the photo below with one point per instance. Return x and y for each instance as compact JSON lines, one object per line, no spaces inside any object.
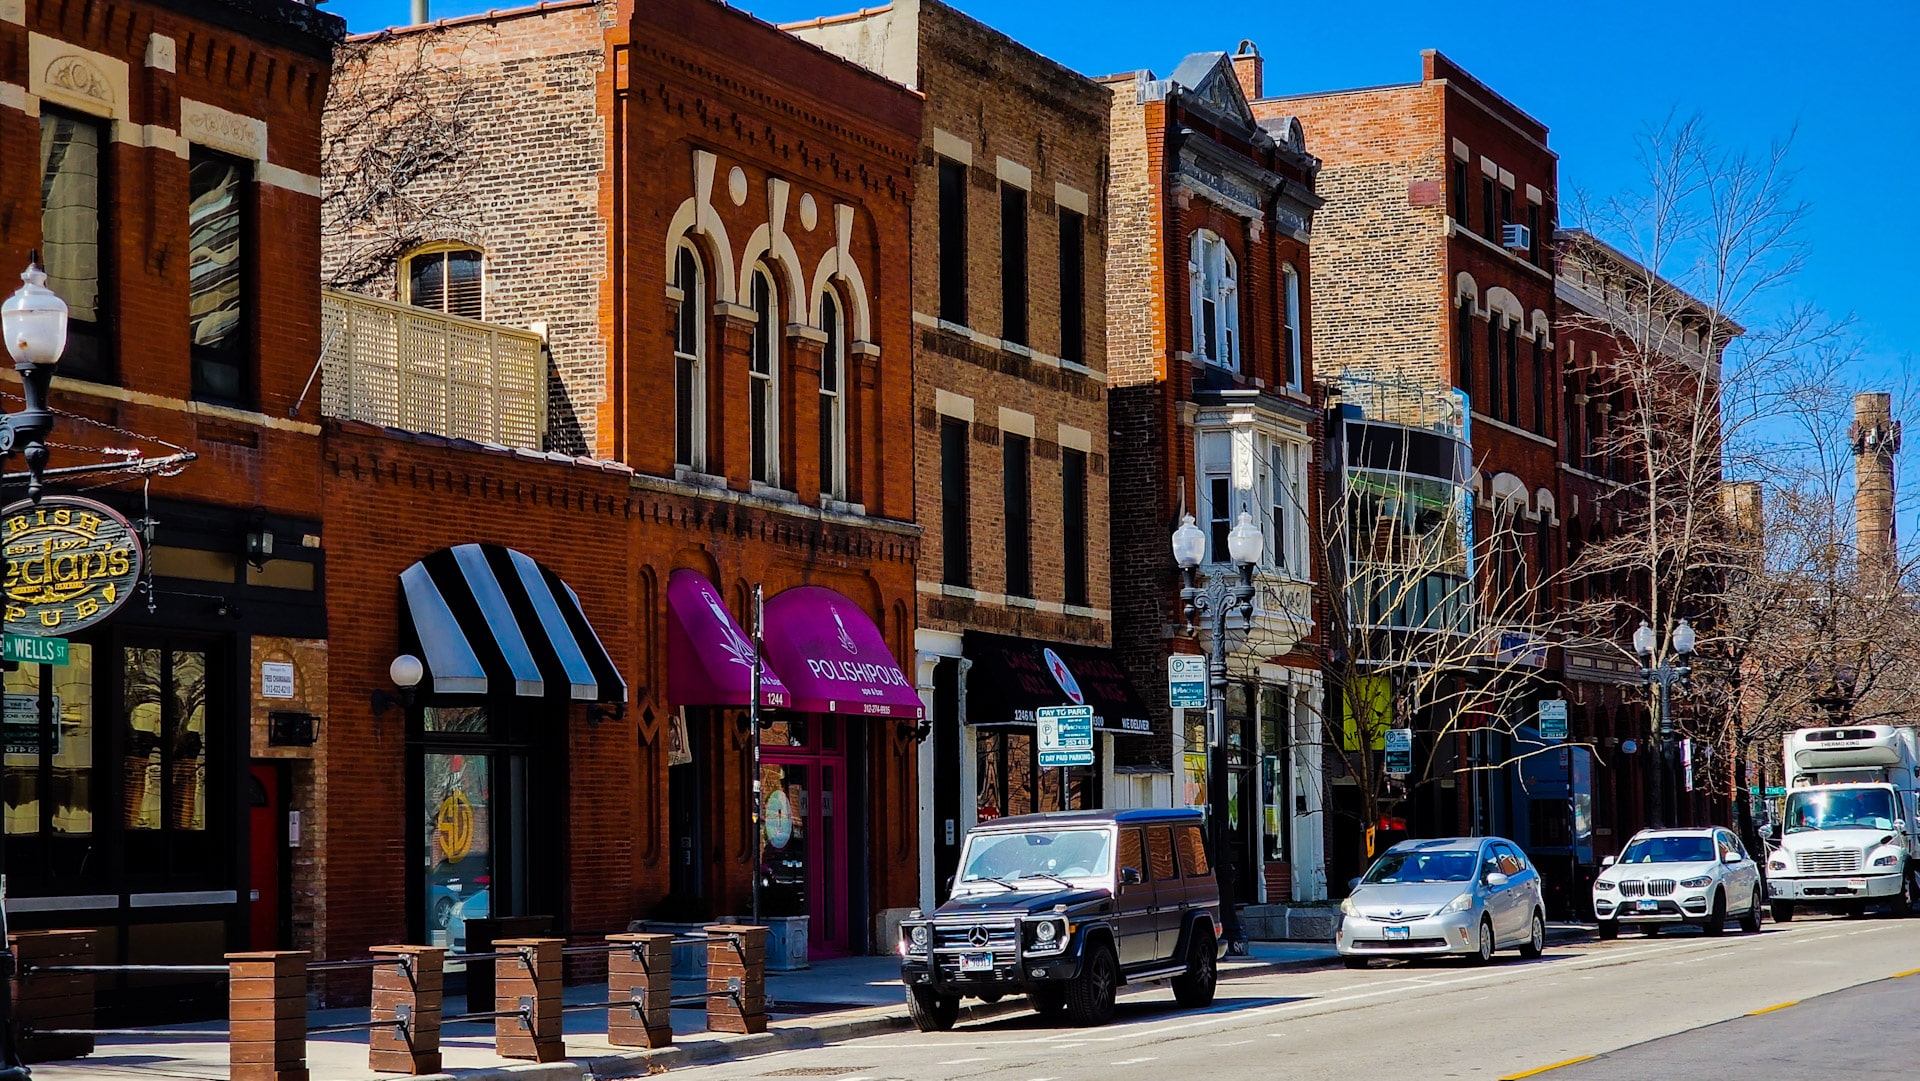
{"x":471,"y":719}
{"x":72,"y":712}
{"x":187,"y":803}
{"x":783,"y":835}
{"x":141,"y":707}
{"x":1012,"y":782}
{"x":459,"y":829}
{"x":1274,"y":720}
{"x":23,"y":750}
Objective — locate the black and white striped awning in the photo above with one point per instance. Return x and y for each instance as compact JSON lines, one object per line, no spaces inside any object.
{"x":489,"y":620}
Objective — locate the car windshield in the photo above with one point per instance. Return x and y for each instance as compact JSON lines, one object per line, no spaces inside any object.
{"x":1669,"y":850}
{"x":1009,"y":857}
{"x":1864,"y":808}
{"x":1451,"y":865}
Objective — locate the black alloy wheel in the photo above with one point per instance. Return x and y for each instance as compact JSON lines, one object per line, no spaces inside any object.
{"x":1716,"y":924}
{"x":1194,"y":988}
{"x":1047,"y":1001}
{"x":1750,"y":919}
{"x":1609,"y":930}
{"x":932,"y":1012}
{"x":1090,"y":996}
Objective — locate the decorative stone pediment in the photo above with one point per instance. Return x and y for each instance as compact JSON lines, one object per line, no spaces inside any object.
{"x":1210,"y":81}
{"x":218,"y":129}
{"x":77,"y":78}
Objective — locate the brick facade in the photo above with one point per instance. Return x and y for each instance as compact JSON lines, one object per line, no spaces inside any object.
{"x":1194,"y":173}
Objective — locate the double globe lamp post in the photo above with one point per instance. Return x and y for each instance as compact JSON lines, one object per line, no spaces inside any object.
{"x":34,"y":322}
{"x":1669,"y":669}
{"x":1220,"y":597}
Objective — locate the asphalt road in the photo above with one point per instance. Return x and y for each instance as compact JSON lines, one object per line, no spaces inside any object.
{"x":1676,"y":1007}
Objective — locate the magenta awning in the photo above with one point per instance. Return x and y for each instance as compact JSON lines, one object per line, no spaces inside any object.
{"x":833,"y":658}
{"x":709,"y":658}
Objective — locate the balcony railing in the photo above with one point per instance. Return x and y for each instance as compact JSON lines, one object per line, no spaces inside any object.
{"x":422,"y":371}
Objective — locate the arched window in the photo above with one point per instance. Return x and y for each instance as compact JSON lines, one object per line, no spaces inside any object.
{"x":1292,"y":280}
{"x":1214,"y":288}
{"x":833,"y":400}
{"x":446,"y":278}
{"x":763,"y":379}
{"x":690,"y":361}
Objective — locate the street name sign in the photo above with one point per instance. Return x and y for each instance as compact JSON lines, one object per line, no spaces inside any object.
{"x":1553,"y":719}
{"x":1399,"y":751}
{"x":29,"y":649}
{"x":1187,"y":681}
{"x":1066,"y":735}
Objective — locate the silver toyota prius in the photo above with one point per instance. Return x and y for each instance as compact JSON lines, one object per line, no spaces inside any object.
{"x":1467,"y":895}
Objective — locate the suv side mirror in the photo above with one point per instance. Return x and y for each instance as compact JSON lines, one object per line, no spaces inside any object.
{"x":949,"y":884}
{"x":1606,"y":861}
{"x":1130,"y":876}
{"x":1731,"y":857}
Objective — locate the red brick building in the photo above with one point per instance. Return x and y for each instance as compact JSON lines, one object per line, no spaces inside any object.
{"x":173,"y":198}
{"x":1208,"y":350}
{"x":751,"y":379}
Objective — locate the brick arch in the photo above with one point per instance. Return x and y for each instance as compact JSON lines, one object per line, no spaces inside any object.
{"x":1505,"y":303}
{"x":839,"y":264}
{"x":697,"y":218}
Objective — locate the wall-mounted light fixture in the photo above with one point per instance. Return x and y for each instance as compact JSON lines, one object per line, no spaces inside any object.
{"x":406,"y":671}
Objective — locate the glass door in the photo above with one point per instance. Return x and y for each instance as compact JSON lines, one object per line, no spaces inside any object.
{"x":459,"y":849}
{"x":164,"y":740}
{"x":804,"y":828}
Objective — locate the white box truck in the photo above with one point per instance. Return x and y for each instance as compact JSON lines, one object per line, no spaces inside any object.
{"x":1850,"y":833}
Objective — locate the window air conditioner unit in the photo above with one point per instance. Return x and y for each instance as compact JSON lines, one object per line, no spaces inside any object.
{"x":1516,"y":238}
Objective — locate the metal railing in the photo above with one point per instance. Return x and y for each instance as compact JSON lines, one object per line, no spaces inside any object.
{"x":419,"y":370}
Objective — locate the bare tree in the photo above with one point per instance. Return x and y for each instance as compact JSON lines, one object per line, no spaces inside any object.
{"x":401,"y":123}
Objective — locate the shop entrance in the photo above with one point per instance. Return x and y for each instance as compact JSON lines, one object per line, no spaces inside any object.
{"x":805,"y":821}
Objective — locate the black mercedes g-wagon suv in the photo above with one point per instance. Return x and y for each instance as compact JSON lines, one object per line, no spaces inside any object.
{"x":1065,"y":907}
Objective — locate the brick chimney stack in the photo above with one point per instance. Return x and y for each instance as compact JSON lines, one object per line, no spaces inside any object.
{"x":1876,"y":439}
{"x":1250,"y":70}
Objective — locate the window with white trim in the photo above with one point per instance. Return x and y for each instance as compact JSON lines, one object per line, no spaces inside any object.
{"x":1281,"y":472}
{"x":1213,"y":282}
{"x":447,"y":279}
{"x":833,"y":399}
{"x":690,"y":361}
{"x":1260,"y":472}
{"x":1292,"y":312}
{"x":763,"y":379}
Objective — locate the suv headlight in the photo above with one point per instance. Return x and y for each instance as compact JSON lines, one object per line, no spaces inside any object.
{"x":1603,"y":884}
{"x":1699,"y":883}
{"x":1047,"y":936}
{"x":917,"y":938}
{"x":1458,"y":904}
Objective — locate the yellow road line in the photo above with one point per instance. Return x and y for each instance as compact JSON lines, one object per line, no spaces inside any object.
{"x":1909,"y":972}
{"x":1770,"y":1009}
{"x":1544,"y":1069}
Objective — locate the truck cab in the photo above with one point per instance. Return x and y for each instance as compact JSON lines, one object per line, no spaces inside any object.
{"x":1849,"y":836}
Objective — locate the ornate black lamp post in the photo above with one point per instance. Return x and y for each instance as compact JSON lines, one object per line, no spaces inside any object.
{"x":1220,"y":597}
{"x":1669,"y":669}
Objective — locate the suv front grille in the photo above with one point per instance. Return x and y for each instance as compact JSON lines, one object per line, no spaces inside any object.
{"x":1660,"y":887}
{"x":1828,"y":863}
{"x":1633,"y":888}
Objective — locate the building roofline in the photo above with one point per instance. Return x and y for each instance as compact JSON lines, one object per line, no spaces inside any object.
{"x":1427,"y":56}
{"x":1584,"y":237}
{"x":491,"y":15}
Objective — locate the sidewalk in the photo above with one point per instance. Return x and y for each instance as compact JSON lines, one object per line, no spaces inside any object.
{"x":836,"y":1000}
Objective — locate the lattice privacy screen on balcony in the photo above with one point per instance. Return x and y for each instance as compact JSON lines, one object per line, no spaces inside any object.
{"x":421,"y":371}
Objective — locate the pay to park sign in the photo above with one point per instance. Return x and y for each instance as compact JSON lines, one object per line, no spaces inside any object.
{"x":70,"y":563}
{"x":1066,"y":735}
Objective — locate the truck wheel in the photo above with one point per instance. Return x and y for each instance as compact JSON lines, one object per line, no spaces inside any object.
{"x":1716,"y":924}
{"x":1783,"y":912}
{"x":1090,"y":996}
{"x":932,"y":1012}
{"x":1903,"y":904}
{"x":1194,"y":988}
{"x":1047,"y":1001}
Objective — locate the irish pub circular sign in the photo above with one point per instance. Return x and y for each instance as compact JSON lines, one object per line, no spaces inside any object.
{"x":70,"y":563}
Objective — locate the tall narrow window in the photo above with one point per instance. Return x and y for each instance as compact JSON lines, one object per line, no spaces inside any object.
{"x":1540,"y":395}
{"x":1462,"y":194}
{"x":1213,"y":287}
{"x":953,"y":241}
{"x":1489,"y":218}
{"x":1074,"y":526}
{"x":1280,"y":502}
{"x":955,"y":568}
{"x":449,"y":280}
{"x":1533,"y":233}
{"x":1013,"y":264}
{"x":1513,"y":373}
{"x":216,"y":273}
{"x":1463,"y":345}
{"x":1506,"y":205}
{"x":1015,"y":482}
{"x":1219,"y":516}
{"x":690,"y":362}
{"x":1495,"y":384}
{"x":72,"y":198}
{"x":1073,"y":286}
{"x":763,"y":389}
{"x":1292,"y":313}
{"x":833,"y":402}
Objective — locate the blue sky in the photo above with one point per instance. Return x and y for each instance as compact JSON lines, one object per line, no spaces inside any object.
{"x":1594,"y":73}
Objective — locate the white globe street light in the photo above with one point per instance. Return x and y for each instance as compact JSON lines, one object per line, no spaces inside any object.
{"x":1244,"y":541}
{"x":1189,"y":544}
{"x":35,"y":321}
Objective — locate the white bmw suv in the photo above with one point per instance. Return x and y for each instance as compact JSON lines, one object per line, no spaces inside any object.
{"x":1696,"y":876}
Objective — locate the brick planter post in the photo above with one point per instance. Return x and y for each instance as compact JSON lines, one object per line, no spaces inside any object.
{"x":736,"y":978}
{"x":528,"y":979}
{"x":267,"y":1015}
{"x":640,"y":972}
{"x":54,"y":999}
{"x":407,"y":997}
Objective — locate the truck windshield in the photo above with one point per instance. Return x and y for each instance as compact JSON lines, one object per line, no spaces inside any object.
{"x":1863,"y":809}
{"x":1009,"y":857}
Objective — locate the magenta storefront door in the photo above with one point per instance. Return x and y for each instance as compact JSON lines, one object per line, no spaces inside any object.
{"x":804,"y":827}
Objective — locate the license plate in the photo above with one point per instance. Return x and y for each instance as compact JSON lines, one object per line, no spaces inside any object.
{"x":1397,"y":934}
{"x":1648,"y":906}
{"x":1857,"y":883}
{"x":976,"y":962}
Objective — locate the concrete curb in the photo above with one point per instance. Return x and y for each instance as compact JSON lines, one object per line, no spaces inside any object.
{"x":789,"y":1036}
